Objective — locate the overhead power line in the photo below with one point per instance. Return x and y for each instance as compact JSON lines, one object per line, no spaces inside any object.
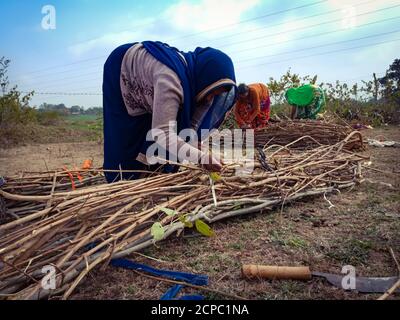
{"x":226,"y":45}
{"x":253,"y":48}
{"x":285,"y":22}
{"x":305,"y":27}
{"x":249,"y":20}
{"x":319,"y":54}
{"x":64,"y":93}
{"x":55,"y":81}
{"x":320,"y":46}
{"x":63,"y":65}
{"x":251,"y":59}
{"x":257,"y":65}
{"x":191,"y":35}
{"x":314,"y":35}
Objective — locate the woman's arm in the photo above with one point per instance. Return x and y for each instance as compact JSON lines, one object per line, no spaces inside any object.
{"x":238,"y":118}
{"x":255,"y":104}
{"x":168,"y":96}
{"x":293,"y":112}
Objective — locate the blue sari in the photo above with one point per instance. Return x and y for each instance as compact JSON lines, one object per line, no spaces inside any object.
{"x":125,"y":136}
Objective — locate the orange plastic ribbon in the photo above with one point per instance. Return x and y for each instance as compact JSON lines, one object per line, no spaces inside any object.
{"x":71,"y":177}
{"x":87,"y":164}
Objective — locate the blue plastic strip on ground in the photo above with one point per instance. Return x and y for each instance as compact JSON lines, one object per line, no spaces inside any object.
{"x":192,"y":297}
{"x":196,"y":279}
{"x":172,"y":292}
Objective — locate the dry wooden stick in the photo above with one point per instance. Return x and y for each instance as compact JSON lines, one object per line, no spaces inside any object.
{"x":390,"y":291}
{"x":395,"y":260}
{"x":397,"y":284}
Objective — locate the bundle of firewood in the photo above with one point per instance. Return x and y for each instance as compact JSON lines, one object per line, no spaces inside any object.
{"x":315,"y":133}
{"x":43,"y":183}
{"x":77,"y":231}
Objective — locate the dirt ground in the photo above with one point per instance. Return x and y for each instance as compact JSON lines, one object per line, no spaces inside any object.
{"x":359,"y":230}
{"x":43,"y":157}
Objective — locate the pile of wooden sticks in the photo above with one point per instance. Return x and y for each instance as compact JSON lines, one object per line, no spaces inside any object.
{"x":316,"y":132}
{"x":76,"y":231}
{"x":43,"y":183}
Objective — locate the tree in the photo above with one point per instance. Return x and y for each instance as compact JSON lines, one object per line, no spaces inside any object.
{"x":59,"y":108}
{"x":391,"y":82}
{"x":14,"y":106}
{"x":76,"y":109}
{"x":4,"y":63}
{"x":278,"y":88}
{"x":94,"y":110}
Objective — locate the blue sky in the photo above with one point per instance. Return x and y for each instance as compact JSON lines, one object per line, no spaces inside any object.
{"x":335,"y":39}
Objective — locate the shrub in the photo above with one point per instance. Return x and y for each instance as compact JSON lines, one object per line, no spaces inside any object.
{"x":14,"y":106}
{"x":48,"y":118}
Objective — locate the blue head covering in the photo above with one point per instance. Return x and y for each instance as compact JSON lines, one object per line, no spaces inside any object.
{"x":200,"y":72}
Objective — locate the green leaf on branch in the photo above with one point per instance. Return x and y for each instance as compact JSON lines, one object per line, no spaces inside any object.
{"x":169,"y":212}
{"x":215,"y":176}
{"x":187,"y":224}
{"x":157,"y":231}
{"x":204,"y":228}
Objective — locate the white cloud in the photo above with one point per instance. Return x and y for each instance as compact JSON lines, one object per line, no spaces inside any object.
{"x":208,"y":14}
{"x":274,"y":37}
{"x":107,"y":40}
{"x":178,"y":20}
{"x":352,"y":12}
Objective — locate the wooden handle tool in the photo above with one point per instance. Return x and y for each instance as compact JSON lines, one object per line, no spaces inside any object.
{"x":276,"y":272}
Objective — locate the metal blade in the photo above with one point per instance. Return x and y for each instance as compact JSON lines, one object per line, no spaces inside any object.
{"x":363,"y":284}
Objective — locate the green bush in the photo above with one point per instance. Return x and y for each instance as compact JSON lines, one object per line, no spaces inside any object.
{"x":48,"y":118}
{"x":14,"y":106}
{"x":376,"y":102}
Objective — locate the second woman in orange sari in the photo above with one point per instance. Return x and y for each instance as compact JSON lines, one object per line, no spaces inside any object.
{"x":252,"y":109}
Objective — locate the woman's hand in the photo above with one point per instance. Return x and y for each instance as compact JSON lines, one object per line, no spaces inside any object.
{"x":211,"y":163}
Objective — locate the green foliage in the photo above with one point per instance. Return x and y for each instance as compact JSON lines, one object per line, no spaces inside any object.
{"x":14,"y":106}
{"x":204,"y":228}
{"x":157,"y":231}
{"x":215,"y":176}
{"x":169,"y":212}
{"x":187,"y":223}
{"x":15,"y":112}
{"x":89,"y":123}
{"x":374,"y":102}
{"x":98,"y":111}
{"x":21,"y":123}
{"x":61,"y":108}
{"x":48,"y":118}
{"x":278,"y":88}
{"x":391,"y":83}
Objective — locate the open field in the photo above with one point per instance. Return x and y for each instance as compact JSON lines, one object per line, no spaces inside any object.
{"x":359,"y":230}
{"x":71,"y":128}
{"x":76,"y":138}
{"x":85,"y":122}
{"x":41,"y":157}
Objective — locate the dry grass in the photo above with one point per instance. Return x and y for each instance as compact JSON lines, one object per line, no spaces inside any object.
{"x":20,"y":135}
